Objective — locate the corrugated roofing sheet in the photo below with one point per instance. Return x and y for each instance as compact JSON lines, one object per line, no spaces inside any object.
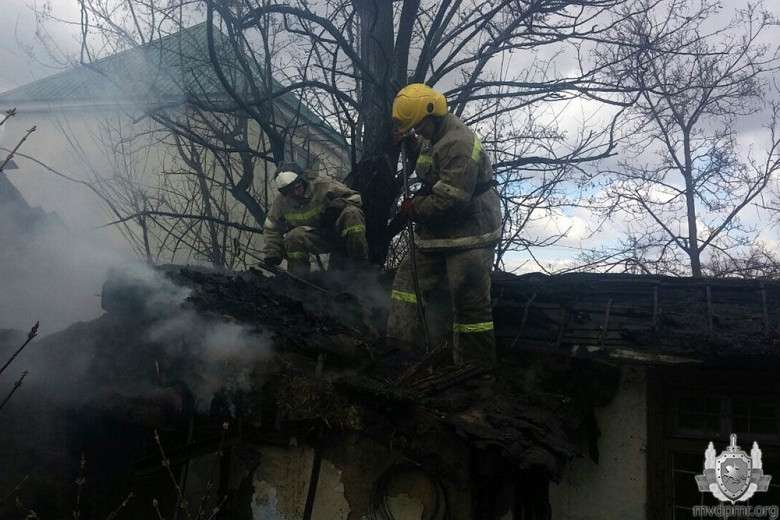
{"x":173,"y":69}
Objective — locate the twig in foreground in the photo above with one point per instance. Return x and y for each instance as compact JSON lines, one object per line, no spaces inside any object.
{"x":30,"y":335}
{"x":16,"y":386}
{"x":14,"y":490}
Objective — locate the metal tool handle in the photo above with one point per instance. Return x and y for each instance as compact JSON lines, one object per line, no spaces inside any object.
{"x":413,"y":259}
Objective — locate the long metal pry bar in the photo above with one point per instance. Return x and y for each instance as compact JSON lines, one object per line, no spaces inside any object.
{"x":413,"y":258}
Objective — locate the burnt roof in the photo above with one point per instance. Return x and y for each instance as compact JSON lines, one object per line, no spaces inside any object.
{"x":561,"y":342}
{"x":645,"y":318}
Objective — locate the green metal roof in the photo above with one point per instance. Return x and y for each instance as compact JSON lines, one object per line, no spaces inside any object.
{"x":171,"y":70}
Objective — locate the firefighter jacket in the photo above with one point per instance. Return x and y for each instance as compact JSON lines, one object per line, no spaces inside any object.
{"x":286,"y":213}
{"x":460,"y":208}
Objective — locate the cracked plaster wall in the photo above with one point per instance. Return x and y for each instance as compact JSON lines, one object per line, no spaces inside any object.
{"x":347,"y":476}
{"x":616,"y":487}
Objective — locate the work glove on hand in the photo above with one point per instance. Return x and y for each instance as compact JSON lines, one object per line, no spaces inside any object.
{"x":410,"y":140}
{"x":272,"y":261}
{"x":398,"y":137}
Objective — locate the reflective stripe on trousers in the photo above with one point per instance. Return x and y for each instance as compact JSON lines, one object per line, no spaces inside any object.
{"x":468,"y":276}
{"x":349,"y":232}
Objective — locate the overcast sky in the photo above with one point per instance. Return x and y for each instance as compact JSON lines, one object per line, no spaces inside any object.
{"x":17,"y":33}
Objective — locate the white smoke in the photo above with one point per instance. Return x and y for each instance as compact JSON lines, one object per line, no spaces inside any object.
{"x":50,"y":275}
{"x":224,"y":353}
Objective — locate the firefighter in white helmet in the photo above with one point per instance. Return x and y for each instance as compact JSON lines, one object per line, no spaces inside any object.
{"x":457,"y":220}
{"x":312,"y":216}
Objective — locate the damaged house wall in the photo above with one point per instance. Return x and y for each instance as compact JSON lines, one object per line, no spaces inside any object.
{"x":356,"y":476}
{"x":295,"y":375}
{"x":50,"y":273}
{"x":691,"y":340}
{"x":614,"y":486}
{"x":284,"y":363}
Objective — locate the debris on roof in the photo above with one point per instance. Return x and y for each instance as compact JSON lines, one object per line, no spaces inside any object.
{"x":189,"y":349}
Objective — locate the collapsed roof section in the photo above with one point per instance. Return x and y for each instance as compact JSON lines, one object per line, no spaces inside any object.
{"x":561,"y":340}
{"x":281,"y":358}
{"x":327,"y":365}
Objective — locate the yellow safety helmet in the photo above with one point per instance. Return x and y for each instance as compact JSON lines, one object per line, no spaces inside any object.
{"x":414,"y":102}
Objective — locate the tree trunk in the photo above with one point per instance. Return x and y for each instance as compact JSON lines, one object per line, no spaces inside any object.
{"x":384,"y":67}
{"x":694,"y":253}
{"x":376,"y":85}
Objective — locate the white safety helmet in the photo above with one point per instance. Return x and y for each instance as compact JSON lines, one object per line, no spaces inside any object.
{"x":287,"y":174}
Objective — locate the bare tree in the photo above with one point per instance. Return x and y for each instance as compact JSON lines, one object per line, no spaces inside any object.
{"x":11,"y":152}
{"x":510,"y":68}
{"x":684,"y":184}
{"x":207,"y":194}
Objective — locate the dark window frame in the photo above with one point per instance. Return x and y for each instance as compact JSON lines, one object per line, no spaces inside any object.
{"x":664,"y":440}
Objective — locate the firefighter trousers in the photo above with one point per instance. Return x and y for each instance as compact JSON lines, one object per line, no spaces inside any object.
{"x":349,"y":233}
{"x":468,"y":274}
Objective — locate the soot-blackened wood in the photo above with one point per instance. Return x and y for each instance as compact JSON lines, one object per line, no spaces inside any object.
{"x":713,"y":320}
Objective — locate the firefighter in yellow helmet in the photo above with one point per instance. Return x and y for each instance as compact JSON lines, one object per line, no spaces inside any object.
{"x":457,"y":226}
{"x":312,"y":216}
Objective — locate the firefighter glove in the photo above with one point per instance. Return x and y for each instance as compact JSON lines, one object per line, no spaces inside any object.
{"x":409,"y":140}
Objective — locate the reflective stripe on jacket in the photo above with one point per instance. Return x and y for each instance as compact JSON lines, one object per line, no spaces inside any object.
{"x":286,"y":213}
{"x":452,"y":216}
